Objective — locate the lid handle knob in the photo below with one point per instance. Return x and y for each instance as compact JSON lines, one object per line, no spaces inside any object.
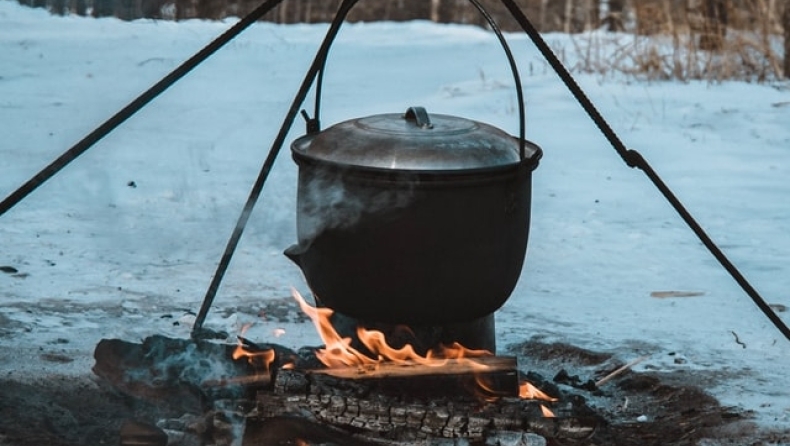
{"x":420,"y":117}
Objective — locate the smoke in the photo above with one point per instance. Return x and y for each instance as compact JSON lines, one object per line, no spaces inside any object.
{"x":333,"y":199}
{"x":162,"y":364}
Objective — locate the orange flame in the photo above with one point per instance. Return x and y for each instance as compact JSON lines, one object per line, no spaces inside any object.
{"x":527,"y":391}
{"x":262,"y":358}
{"x":547,"y":412}
{"x":338,"y":351}
{"x":486,"y":392}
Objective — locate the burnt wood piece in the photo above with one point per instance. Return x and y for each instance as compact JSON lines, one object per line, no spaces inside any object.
{"x":381,"y":407}
{"x":181,"y":372}
{"x":359,"y":406}
{"x":286,"y":430}
{"x":137,"y":433}
{"x":441,"y":367}
{"x":483,"y":377}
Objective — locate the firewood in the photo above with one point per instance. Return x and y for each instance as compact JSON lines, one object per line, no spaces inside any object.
{"x":394,"y":404}
{"x":359,"y":406}
{"x":481,"y":365}
{"x":620,"y":370}
{"x":259,"y":380}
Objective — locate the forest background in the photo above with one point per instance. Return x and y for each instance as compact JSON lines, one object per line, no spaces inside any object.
{"x":671,"y":39}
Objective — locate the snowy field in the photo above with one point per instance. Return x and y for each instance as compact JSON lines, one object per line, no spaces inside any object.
{"x":124,"y":241}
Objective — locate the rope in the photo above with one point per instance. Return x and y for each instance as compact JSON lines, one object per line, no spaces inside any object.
{"x":634,"y":159}
{"x":133,"y":107}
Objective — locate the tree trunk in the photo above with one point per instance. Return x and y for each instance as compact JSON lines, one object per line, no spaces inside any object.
{"x":211,"y":9}
{"x":593,"y":15}
{"x":80,"y":8}
{"x":103,"y":8}
{"x":59,"y":7}
{"x":786,"y":26}
{"x":614,"y":16}
{"x":185,"y":9}
{"x":715,"y":27}
{"x":568,"y":16}
{"x":435,"y":5}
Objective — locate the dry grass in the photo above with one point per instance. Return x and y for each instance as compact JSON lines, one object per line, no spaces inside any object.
{"x":672,"y":51}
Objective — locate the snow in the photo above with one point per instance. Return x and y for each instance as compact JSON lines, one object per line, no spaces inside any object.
{"x":124,"y":241}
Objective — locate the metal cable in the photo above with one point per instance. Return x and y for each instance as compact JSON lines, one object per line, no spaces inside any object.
{"x":133,"y":107}
{"x":634,"y":159}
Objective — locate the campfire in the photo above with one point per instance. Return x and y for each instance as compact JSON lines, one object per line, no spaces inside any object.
{"x":338,"y":393}
{"x":389,"y":393}
{"x":429,"y":214}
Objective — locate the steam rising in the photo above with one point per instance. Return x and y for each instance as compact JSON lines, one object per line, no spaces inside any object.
{"x":332,"y":199}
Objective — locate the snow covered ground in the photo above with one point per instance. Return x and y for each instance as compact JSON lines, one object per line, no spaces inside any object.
{"x":123,"y":242}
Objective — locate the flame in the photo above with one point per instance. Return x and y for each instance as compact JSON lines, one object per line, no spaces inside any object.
{"x":485,"y":391}
{"x":527,"y":391}
{"x":263,"y":358}
{"x":338,"y":351}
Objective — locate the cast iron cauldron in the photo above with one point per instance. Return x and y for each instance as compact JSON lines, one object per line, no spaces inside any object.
{"x":412,"y":219}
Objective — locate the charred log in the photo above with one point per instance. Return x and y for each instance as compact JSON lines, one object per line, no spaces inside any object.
{"x":307,"y":404}
{"x":176,"y":371}
{"x":361,"y":405}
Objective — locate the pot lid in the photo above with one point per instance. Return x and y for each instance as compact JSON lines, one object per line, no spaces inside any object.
{"x":413,"y":141}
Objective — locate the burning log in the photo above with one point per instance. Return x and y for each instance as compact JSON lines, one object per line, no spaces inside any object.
{"x":486,"y":377}
{"x":183,"y":371}
{"x":389,"y":402}
{"x":505,"y":365}
{"x":367,"y":405}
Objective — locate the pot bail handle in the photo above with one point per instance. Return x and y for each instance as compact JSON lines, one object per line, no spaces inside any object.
{"x":420,"y":117}
{"x":346,"y":6}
